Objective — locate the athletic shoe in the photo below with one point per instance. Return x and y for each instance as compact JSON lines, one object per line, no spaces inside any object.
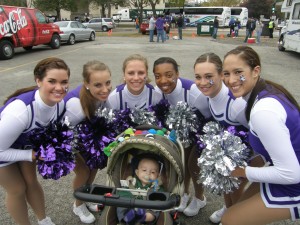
{"x":194,"y":206}
{"x":217,"y":215}
{"x":46,"y":221}
{"x":84,"y":214}
{"x":183,"y":202}
{"x":92,"y":206}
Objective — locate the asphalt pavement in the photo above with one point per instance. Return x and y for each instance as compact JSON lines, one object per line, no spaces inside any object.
{"x":282,"y":67}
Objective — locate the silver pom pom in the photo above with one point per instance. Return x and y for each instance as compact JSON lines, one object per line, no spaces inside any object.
{"x":106,"y":113}
{"x":222,"y":154}
{"x":184,"y":121}
{"x":142,"y":116}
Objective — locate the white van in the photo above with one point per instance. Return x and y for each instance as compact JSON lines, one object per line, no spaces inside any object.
{"x":289,"y":38}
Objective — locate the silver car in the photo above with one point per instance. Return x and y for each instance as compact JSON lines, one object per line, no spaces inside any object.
{"x":101,"y":24}
{"x":72,"y":31}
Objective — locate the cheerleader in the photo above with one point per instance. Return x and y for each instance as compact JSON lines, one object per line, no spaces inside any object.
{"x":224,"y":107}
{"x":81,"y":104}
{"x":273,"y":116}
{"x":176,"y":90}
{"x":136,"y":92}
{"x":23,"y":111}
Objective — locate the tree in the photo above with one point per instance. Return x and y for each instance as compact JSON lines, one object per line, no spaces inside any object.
{"x":22,"y":3}
{"x":56,"y":5}
{"x":258,"y":7}
{"x":153,"y":4}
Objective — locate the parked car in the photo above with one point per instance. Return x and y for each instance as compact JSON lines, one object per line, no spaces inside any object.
{"x":101,"y":24}
{"x":144,"y":28}
{"x":25,"y":27}
{"x":72,"y":31}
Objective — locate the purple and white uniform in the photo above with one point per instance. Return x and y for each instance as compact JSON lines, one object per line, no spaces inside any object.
{"x":121,"y":98}
{"x":275,"y":134}
{"x":187,"y":91}
{"x":19,"y":116}
{"x":74,"y":110}
{"x":228,"y":110}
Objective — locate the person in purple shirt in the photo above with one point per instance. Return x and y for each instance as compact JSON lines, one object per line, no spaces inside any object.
{"x":160,"y":28}
{"x":274,"y":120}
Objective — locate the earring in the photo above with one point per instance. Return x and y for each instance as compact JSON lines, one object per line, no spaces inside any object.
{"x":87,"y":88}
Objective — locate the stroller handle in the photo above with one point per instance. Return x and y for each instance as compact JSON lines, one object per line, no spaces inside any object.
{"x":107,"y":196}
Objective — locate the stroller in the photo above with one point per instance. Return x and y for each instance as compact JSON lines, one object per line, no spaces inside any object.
{"x":120,"y":166}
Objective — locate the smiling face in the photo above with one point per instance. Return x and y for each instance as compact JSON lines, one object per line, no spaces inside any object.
{"x":148,"y":169}
{"x":239,"y":76}
{"x":99,"y":84}
{"x":53,"y":86}
{"x":208,"y":79}
{"x":165,"y":77}
{"x":135,"y":76}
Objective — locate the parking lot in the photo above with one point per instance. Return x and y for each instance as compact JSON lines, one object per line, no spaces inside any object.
{"x":112,"y":49}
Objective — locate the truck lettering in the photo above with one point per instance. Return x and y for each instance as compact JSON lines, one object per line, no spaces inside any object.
{"x":14,"y":23}
{"x":45,"y":31}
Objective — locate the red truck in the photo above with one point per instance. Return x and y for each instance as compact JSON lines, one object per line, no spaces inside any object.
{"x":25,"y":27}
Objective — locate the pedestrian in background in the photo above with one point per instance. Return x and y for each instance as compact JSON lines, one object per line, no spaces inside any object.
{"x":237,"y":27}
{"x":180,"y":26}
{"x":258,"y":29}
{"x":160,"y":28}
{"x":216,"y":27}
{"x":152,"y":27}
{"x":271,"y":28}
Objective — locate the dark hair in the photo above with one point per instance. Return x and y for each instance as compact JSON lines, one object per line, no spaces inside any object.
{"x":40,"y":71}
{"x":251,"y":58}
{"x":88,"y":102}
{"x":163,"y":60}
{"x":211,"y":58}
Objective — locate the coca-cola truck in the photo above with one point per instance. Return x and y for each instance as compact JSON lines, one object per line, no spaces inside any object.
{"x":25,"y":27}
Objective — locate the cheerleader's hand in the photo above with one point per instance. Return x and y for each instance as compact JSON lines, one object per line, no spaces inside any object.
{"x":239,"y":172}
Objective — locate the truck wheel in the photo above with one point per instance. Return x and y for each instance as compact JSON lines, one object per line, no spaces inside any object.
{"x":92,"y":36}
{"x":55,"y":41}
{"x":71,"y":40}
{"x":7,"y":50}
{"x":281,"y":43}
{"x":104,"y":28}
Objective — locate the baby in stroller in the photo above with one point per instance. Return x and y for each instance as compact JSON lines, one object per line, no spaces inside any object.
{"x":146,"y":177}
{"x":124,"y":164}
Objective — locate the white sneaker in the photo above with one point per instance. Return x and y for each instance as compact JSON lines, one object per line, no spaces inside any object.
{"x":92,"y":206}
{"x":46,"y":221}
{"x":183,"y":202}
{"x":84,"y":214}
{"x":217,"y":215}
{"x":194,"y":206}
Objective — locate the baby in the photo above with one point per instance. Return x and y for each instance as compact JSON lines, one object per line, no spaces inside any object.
{"x":146,"y":177}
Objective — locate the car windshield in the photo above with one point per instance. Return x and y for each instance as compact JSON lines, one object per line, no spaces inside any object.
{"x":62,"y":23}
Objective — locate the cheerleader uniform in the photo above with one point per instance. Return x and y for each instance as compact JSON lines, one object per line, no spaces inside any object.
{"x":275,"y":134}
{"x":121,"y":98}
{"x":228,"y":110}
{"x":18,"y":116}
{"x":74,"y":111}
{"x":187,"y":91}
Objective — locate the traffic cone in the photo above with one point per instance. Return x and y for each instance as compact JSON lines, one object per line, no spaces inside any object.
{"x":222,"y":36}
{"x":170,"y":34}
{"x":109,"y":33}
{"x":193,"y":35}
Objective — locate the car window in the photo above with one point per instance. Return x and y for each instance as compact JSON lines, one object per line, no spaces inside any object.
{"x":74,"y":25}
{"x":107,"y":20}
{"x":80,"y":25}
{"x":40,"y":17}
{"x":62,"y":24}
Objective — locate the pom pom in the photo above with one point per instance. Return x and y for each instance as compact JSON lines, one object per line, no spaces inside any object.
{"x":53,"y":149}
{"x":93,"y":135}
{"x":223,"y":152}
{"x":161,"y":111}
{"x":142,"y":116}
{"x":184,"y":121}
